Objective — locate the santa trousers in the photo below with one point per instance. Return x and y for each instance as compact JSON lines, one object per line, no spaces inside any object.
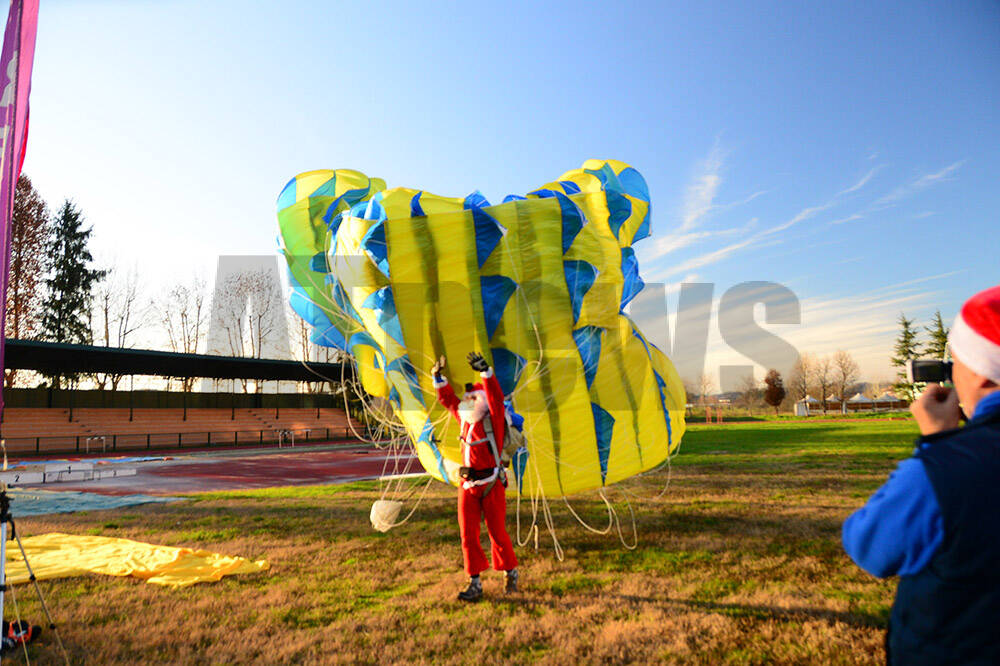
{"x":472,"y":507}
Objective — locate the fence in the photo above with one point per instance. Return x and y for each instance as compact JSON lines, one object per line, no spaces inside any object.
{"x":165,"y":441}
{"x":69,"y":399}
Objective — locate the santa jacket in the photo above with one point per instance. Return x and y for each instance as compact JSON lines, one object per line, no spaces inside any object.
{"x":476,"y":450}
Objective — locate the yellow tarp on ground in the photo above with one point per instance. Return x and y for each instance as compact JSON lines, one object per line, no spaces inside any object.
{"x":64,"y":555}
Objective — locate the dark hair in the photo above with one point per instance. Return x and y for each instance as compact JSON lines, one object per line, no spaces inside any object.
{"x":469,"y":387}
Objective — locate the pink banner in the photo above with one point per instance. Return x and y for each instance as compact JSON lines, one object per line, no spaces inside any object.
{"x":15,"y":77}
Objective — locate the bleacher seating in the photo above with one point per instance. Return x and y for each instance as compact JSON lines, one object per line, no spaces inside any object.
{"x":89,"y":429}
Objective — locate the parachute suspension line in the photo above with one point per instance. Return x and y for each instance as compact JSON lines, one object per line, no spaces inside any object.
{"x":635,"y":528}
{"x":611,"y":515}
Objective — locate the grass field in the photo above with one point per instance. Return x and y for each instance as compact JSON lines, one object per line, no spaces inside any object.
{"x":739,"y":562}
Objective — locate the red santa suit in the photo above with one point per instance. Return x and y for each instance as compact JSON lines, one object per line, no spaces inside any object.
{"x":477,"y":455}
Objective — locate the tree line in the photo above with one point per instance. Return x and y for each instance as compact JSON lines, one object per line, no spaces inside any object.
{"x":58,"y":293}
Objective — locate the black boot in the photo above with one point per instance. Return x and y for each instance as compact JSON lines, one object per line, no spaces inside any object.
{"x":474,"y":592}
{"x":511,"y":585}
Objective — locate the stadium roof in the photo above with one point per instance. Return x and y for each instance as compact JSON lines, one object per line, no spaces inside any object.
{"x":55,"y":358}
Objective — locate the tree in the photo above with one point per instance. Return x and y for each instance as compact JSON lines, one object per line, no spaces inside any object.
{"x":822,"y":378}
{"x":774,"y":393}
{"x":29,"y":234}
{"x":750,"y":393}
{"x":181,"y":313}
{"x":906,"y":347}
{"x":248,"y":313}
{"x":117,"y":315}
{"x":705,"y":386}
{"x":846,"y":373}
{"x":937,"y":346}
{"x":70,"y":281}
{"x":798,"y":381}
{"x":308,"y":352}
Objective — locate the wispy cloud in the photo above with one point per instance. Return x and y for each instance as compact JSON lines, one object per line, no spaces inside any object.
{"x":849,"y":218}
{"x":863,"y":323}
{"x":701,"y":191}
{"x":918,"y":184}
{"x":741,"y":202}
{"x":926,"y":213}
{"x":861,"y":183}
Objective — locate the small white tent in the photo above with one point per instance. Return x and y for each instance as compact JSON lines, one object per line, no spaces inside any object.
{"x":802,"y":406}
{"x":859,"y":401}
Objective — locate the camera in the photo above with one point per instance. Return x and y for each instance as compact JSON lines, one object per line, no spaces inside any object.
{"x":928,"y":371}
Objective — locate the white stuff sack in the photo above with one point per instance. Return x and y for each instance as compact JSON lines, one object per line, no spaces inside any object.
{"x":385,"y":514}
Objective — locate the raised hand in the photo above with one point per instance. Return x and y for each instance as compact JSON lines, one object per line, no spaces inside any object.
{"x":438,"y":367}
{"x":477,"y":362}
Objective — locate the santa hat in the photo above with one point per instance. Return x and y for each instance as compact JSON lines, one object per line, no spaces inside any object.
{"x":975,"y":337}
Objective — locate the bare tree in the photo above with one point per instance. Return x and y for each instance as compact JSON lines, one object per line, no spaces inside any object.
{"x":846,"y":374}
{"x":29,"y":232}
{"x":751,"y":393}
{"x":822,"y":378}
{"x":305,"y":350}
{"x":798,"y":380}
{"x":116,"y":315}
{"x":182,"y":314}
{"x":248,"y":314}
{"x":705,"y":386}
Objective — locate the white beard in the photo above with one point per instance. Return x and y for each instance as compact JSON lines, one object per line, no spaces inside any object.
{"x":473,"y":407}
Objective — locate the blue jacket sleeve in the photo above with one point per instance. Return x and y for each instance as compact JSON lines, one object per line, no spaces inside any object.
{"x":900,"y":528}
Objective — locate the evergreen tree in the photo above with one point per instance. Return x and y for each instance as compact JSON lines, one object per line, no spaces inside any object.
{"x":938,"y":345}
{"x":29,"y":239}
{"x":67,"y":305}
{"x":906,"y":347}
{"x":775,"y":391}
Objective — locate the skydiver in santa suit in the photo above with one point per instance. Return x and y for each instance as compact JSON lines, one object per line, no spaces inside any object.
{"x":482,"y":491}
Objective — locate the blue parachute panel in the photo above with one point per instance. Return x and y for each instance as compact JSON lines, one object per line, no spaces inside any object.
{"x":588,"y":342}
{"x":496,"y":291}
{"x":519,"y":463}
{"x":416,"y":210}
{"x":580,"y":277}
{"x":630,"y":272}
{"x":569,"y":187}
{"x":403,"y":366}
{"x":507,"y":366}
{"x":476,"y":200}
{"x":384,"y":305}
{"x":488,"y":234}
{"x":427,"y":437}
{"x":604,"y":425}
{"x":287,"y":196}
{"x":573,"y":220}
{"x":634,"y":184}
{"x":373,"y":243}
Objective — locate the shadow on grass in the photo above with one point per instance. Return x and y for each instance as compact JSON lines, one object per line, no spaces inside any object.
{"x":857,"y":618}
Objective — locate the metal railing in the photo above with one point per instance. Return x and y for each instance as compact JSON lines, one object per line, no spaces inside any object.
{"x":115,"y":442}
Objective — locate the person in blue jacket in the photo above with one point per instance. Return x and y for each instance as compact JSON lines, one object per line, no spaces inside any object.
{"x":936,"y":521}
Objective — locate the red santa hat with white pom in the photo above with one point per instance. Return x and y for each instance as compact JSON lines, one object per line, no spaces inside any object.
{"x":975,"y":337}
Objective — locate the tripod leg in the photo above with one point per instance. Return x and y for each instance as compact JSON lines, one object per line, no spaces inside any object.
{"x":38,"y":591}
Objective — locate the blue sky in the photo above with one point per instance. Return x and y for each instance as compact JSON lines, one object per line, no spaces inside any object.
{"x":846,"y":150}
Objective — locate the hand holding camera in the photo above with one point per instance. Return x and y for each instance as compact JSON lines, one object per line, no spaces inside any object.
{"x":937,"y":409}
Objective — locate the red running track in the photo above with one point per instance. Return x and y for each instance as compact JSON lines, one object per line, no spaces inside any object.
{"x":253,"y":469}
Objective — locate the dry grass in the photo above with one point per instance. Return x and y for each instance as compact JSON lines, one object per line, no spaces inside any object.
{"x":738,"y":563}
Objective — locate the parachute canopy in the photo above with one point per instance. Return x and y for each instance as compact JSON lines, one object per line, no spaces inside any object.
{"x":538,"y":284}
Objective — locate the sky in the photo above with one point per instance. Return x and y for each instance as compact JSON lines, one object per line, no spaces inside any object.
{"x":847,"y":151}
